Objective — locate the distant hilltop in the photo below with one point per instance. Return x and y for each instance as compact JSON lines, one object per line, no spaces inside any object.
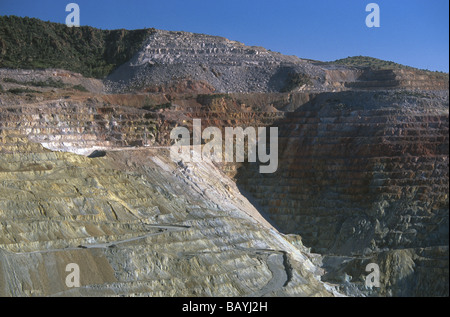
{"x":152,"y":60}
{"x":374,"y":63}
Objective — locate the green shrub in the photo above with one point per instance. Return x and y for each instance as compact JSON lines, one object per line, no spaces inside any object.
{"x":18,"y":91}
{"x":366,"y":61}
{"x":48,"y":83}
{"x":295,"y":80}
{"x":11,"y":80}
{"x":32,"y":43}
{"x":80,"y":88}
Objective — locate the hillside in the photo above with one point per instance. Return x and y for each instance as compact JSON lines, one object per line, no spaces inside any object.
{"x":86,"y":176}
{"x":379,"y":64}
{"x":367,"y":61}
{"x":32,"y":43}
{"x":154,"y":60}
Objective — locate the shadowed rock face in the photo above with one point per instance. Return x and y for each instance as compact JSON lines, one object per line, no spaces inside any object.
{"x":362,"y":178}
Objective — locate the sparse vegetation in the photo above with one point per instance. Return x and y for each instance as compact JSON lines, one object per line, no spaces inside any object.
{"x":207,"y":99}
{"x":157,"y":107}
{"x":366,"y":61}
{"x":80,"y":88}
{"x":375,"y":63}
{"x":32,"y":43}
{"x":48,"y":83}
{"x":379,"y":64}
{"x":12,"y":81}
{"x":296,"y":80}
{"x":401,"y":94}
{"x":18,"y":91}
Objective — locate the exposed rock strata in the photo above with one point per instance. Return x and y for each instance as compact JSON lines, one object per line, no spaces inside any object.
{"x":362,"y":178}
{"x":136,"y":224}
{"x":169,"y":59}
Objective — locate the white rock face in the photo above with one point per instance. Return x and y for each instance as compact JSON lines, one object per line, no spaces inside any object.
{"x":228,"y":66}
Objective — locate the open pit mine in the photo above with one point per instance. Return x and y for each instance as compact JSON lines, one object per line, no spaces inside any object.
{"x":86,"y":175}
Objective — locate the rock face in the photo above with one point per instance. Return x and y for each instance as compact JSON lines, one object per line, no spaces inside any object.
{"x":228,"y":66}
{"x":137,"y":224}
{"x":362,"y":177}
{"x":168,"y":59}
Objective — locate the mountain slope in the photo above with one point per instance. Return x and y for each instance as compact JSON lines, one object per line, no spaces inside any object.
{"x":362,"y":178}
{"x":32,"y":43}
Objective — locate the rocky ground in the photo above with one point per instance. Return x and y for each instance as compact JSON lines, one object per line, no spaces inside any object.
{"x":362,"y":177}
{"x":137,"y":224}
{"x":170,"y":59}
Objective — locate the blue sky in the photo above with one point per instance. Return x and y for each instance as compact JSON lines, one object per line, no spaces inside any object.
{"x":412,"y":32}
